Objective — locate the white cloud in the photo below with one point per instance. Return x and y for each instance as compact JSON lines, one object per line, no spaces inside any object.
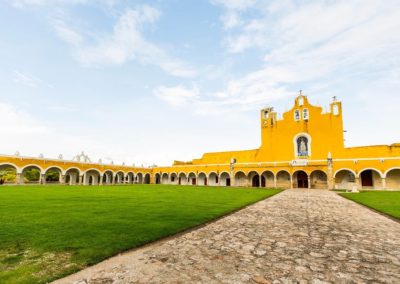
{"x":25,"y":3}
{"x":26,"y":79}
{"x":14,"y":121}
{"x":178,"y":95}
{"x":125,"y":43}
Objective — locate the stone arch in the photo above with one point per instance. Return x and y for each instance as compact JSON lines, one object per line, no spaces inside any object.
{"x":202,"y":179}
{"x":268,"y":179}
{"x":254,"y":179}
{"x":182,"y":179}
{"x":92,"y":177}
{"x":31,"y":174}
{"x":240,"y":179}
{"x":119,"y":177}
{"x":319,"y":179}
{"x":283,"y":179}
{"x":300,"y":179}
{"x":165,"y":178}
{"x":213,"y":179}
{"x":108,"y":177}
{"x":53,"y":175}
{"x":393,"y":178}
{"x":8,"y":173}
{"x":157,"y":178}
{"x":192,"y":178}
{"x":72,"y":176}
{"x":345,"y":179}
{"x":173,"y":177}
{"x":130,"y":177}
{"x":370,"y":178}
{"x":139,"y":178}
{"x":146,"y":178}
{"x":224,"y":179}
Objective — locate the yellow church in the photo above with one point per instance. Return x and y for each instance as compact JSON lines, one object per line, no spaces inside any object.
{"x":304,"y":149}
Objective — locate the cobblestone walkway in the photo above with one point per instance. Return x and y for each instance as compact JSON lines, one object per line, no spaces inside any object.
{"x":298,"y":236}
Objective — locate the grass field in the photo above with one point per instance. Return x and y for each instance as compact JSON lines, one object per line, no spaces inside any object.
{"x":387,"y":202}
{"x":47,"y":232}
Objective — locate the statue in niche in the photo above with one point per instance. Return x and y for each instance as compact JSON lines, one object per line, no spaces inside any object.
{"x":302,"y":146}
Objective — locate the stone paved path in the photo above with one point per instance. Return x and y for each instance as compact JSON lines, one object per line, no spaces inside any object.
{"x":298,"y":236}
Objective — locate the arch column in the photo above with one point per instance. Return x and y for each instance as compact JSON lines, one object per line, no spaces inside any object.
{"x":309,"y":181}
{"x":62,"y":179}
{"x":383,"y":183}
{"x":291,"y":181}
{"x":259,"y":180}
{"x":101,"y":179}
{"x":275,"y":181}
{"x":18,"y":178}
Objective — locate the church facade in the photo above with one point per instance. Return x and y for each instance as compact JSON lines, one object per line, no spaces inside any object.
{"x":303,"y":149}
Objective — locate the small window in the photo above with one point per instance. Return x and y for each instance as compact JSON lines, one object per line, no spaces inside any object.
{"x":296,"y":115}
{"x":335,"y":110}
{"x":305,"y":114}
{"x":266,"y":114}
{"x":301,"y":101}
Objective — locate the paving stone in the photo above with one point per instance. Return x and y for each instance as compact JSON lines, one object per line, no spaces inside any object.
{"x":298,"y":236}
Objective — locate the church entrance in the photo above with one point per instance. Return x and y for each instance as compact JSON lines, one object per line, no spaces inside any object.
{"x":302,"y":180}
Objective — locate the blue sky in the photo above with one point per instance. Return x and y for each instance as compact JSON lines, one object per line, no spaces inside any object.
{"x":147,"y":82}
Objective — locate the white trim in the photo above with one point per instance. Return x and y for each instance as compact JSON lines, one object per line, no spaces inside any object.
{"x":391,"y":169}
{"x":344,"y":169}
{"x":366,"y":169}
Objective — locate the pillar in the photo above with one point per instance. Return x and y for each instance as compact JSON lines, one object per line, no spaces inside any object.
{"x":309,"y":181}
{"x":42,"y":179}
{"x":259,"y":181}
{"x":101,"y":179}
{"x":275,"y":181}
{"x":383,"y":183}
{"x":62,"y":179}
{"x":291,"y":181}
{"x":19,"y":179}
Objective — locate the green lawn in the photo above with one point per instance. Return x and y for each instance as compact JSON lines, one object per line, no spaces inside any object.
{"x":50,"y":231}
{"x":387,"y":202}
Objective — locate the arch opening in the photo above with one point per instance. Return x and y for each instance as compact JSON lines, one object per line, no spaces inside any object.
{"x":283,"y":179}
{"x":370,"y":179}
{"x":146,"y":179}
{"x":8,"y":174}
{"x":31,"y":175}
{"x":182,"y":179}
{"x":108,"y":177}
{"x":91,"y":177}
{"x":345,"y":179}
{"x":53,"y":175}
{"x":72,"y":176}
{"x":240,"y":179}
{"x":300,"y":179}
{"x":319,"y":179}
{"x":173,"y":178}
{"x":393,"y":179}
{"x":213,"y":179}
{"x":225,"y":179}
{"x":267,"y":179}
{"x":165,"y":178}
{"x":202,"y":179}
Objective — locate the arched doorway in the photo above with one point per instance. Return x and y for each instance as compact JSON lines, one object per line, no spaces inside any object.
{"x":283,"y":179}
{"x":202,"y":179}
{"x":192,"y":180}
{"x":182,"y":179}
{"x":300,"y":179}
{"x":213,"y":179}
{"x":130,"y":177}
{"x":393,"y":179}
{"x":267,"y":179}
{"x":108,"y":177}
{"x":370,"y":178}
{"x":147,"y":179}
{"x":165,"y":178}
{"x":157,"y":179}
{"x":31,"y":174}
{"x":91,"y":177}
{"x":254,"y":179}
{"x":119,"y":178}
{"x":240,"y":179}
{"x":8,"y":174}
{"x":319,"y":179}
{"x":72,"y":176}
{"x":225,"y":179}
{"x":345,"y":179}
{"x":52,"y":175}
{"x":174,"y":178}
{"x":139,"y":178}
